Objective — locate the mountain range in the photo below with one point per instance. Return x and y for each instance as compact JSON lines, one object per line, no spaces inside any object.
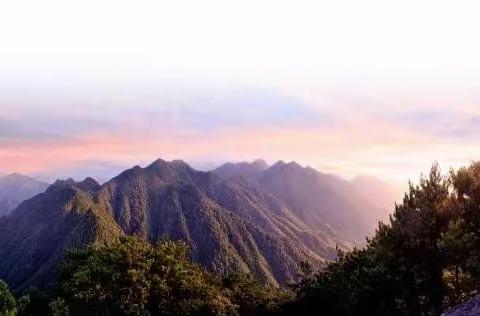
{"x":15,"y":188}
{"x":351,"y":208}
{"x":249,"y":216}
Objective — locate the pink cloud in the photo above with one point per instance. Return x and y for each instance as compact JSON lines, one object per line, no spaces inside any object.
{"x":389,"y":151}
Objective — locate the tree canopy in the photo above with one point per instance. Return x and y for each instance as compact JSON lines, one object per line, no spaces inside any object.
{"x":7,"y":300}
{"x":133,"y":277}
{"x":424,"y":260}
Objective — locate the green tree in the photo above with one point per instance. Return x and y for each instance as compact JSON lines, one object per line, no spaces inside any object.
{"x":461,"y":241}
{"x":357,"y":283}
{"x":132,"y":277}
{"x":252,"y":297}
{"x":403,"y":268}
{"x":410,"y":244}
{"x":7,"y":300}
{"x":34,"y":302}
{"x":181,"y":287}
{"x":59,"y":307}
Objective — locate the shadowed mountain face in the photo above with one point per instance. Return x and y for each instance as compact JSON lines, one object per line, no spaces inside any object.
{"x":15,"y":188}
{"x":230,"y":224}
{"x":37,"y":234}
{"x":350,"y":209}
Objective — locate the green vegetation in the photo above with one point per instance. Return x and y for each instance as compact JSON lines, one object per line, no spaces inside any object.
{"x":8,"y":305}
{"x":424,"y":260}
{"x":133,"y":277}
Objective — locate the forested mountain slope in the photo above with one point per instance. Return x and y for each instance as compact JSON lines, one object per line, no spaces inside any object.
{"x":230,"y":224}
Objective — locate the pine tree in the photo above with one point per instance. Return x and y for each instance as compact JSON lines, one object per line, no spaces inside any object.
{"x":7,"y":300}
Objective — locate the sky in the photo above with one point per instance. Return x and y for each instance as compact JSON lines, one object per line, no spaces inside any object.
{"x":382,"y":88}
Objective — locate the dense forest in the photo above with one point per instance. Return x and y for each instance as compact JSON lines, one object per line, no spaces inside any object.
{"x":425,"y":259}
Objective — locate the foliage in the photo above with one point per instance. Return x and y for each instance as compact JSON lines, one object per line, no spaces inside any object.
{"x":252,"y":297}
{"x":7,"y":300}
{"x":349,"y":284}
{"x":34,"y":302}
{"x":132,"y":277}
{"x":59,"y":307}
{"x":424,"y":260}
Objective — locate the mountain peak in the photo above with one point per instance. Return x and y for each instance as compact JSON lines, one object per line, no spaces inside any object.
{"x":15,"y":188}
{"x":61,"y":184}
{"x":179,"y":163}
{"x":247,"y":170}
{"x":290,"y":165}
{"x":294,"y":164}
{"x":279,"y":163}
{"x":89,"y":184}
{"x":14,"y":175}
{"x":157,"y":163}
{"x":160,"y":168}
{"x":260,"y":164}
{"x":17,"y":177}
{"x":89,"y":180}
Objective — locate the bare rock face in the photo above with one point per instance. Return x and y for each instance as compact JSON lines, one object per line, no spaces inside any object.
{"x":469,"y":308}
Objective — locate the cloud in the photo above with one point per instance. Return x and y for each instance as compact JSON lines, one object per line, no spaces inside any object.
{"x":75,"y":116}
{"x":350,"y":133}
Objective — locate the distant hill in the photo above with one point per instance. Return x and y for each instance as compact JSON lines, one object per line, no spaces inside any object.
{"x":230,"y":224}
{"x":15,"y":188}
{"x":351,"y":209}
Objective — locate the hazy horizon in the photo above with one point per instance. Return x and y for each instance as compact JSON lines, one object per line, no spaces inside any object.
{"x":349,"y":92}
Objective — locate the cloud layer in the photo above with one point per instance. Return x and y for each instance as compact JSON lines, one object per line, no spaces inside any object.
{"x":391,"y":135}
{"x":345,"y":86}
